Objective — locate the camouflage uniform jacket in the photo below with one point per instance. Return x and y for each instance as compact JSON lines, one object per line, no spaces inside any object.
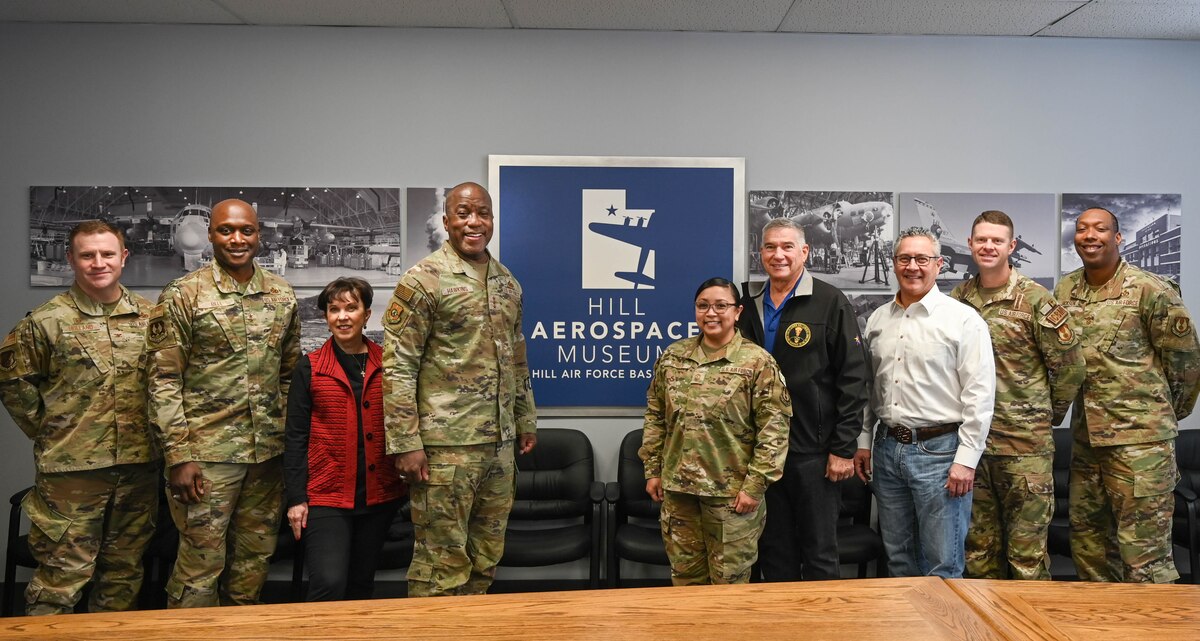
{"x":454,"y":357}
{"x":1039,"y":363}
{"x":716,"y":426}
{"x":221,"y":360}
{"x":74,"y":381}
{"x":1142,"y":356}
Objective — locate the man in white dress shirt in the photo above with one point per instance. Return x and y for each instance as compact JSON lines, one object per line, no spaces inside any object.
{"x":932,"y":396}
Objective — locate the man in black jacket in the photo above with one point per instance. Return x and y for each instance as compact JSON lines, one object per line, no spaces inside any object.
{"x":811,"y":330}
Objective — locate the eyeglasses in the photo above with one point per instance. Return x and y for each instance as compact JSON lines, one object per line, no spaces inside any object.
{"x":920,"y":260}
{"x":719,"y":308}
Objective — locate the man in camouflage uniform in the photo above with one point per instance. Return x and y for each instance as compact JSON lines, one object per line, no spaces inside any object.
{"x":223,"y":341}
{"x":72,"y":377}
{"x":715,"y":436}
{"x":1039,"y":368}
{"x":456,"y":396}
{"x":1143,"y":377}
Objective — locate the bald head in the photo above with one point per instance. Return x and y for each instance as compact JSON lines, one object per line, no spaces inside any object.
{"x":233,"y":231}
{"x":468,"y":221}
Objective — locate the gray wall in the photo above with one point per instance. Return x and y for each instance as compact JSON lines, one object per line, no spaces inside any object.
{"x":155,"y":105}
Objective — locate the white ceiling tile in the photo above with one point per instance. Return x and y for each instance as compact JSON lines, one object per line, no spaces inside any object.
{"x":481,"y":14}
{"x":956,"y":17}
{"x":656,"y":15}
{"x":1132,"y":19}
{"x":123,"y":11}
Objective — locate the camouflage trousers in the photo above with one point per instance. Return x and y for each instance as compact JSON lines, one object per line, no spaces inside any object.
{"x":90,"y":524}
{"x":1010,"y":518}
{"x":1121,"y":507}
{"x":707,"y":542}
{"x":226,"y":540}
{"x":459,"y":518}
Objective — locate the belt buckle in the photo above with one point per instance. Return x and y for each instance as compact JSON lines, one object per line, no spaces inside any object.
{"x":904,"y":435}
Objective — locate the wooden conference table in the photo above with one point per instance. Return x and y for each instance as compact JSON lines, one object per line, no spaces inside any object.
{"x":901,"y":609}
{"x":1063,"y":610}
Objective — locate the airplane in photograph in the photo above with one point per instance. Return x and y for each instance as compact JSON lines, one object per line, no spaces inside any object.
{"x":637,"y":235}
{"x":1017,"y":258}
{"x":843,"y":222}
{"x":954,"y":251}
{"x":186,"y":234}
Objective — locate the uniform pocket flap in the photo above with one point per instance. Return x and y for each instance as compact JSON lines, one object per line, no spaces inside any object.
{"x":420,"y":571}
{"x":1154,"y":483}
{"x":50,"y":522}
{"x":441,"y":474}
{"x":740,"y":527}
{"x":1040,"y":483}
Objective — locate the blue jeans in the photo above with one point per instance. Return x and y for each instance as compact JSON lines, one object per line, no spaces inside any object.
{"x":924,"y":528}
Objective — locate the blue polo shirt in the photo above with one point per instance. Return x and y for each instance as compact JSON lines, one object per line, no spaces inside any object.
{"x":771,"y":313}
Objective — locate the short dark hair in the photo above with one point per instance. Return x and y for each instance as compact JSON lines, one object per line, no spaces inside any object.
{"x":89,"y":227}
{"x":719,"y":282}
{"x":357,"y":287}
{"x":995,"y":217}
{"x":1116,"y":221}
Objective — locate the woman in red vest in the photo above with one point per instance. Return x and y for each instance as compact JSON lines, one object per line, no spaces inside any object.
{"x":342,"y":490}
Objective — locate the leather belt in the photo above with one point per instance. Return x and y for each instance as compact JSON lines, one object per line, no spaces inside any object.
{"x":908,"y":435}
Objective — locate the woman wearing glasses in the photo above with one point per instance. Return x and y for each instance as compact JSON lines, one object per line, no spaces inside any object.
{"x":342,"y":491}
{"x":716,"y":434}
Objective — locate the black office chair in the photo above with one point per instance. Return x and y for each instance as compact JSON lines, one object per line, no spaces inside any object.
{"x":858,"y":542}
{"x":1186,"y":525}
{"x":1059,"y":536}
{"x":633,"y":530}
{"x":17,"y":553}
{"x":556,"y":484}
{"x":397,"y":552}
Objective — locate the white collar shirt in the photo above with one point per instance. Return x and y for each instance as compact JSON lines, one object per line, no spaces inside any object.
{"x":932,"y":364}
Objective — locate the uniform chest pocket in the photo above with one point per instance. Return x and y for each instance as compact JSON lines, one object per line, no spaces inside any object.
{"x":1126,"y":340}
{"x":79,"y":360}
{"x":217,"y":329}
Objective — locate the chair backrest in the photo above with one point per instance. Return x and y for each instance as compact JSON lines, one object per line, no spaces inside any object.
{"x":554,"y":480}
{"x":1187,"y":456}
{"x":1062,"y":460}
{"x":631,"y":477}
{"x":856,"y":501}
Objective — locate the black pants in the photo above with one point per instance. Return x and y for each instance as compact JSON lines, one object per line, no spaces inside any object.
{"x":800,"y":539}
{"x":341,"y":550}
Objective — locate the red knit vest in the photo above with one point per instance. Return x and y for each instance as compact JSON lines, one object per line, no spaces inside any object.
{"x":333,"y":438}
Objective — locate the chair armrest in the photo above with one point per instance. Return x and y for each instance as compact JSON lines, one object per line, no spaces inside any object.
{"x":16,"y":499}
{"x":596,"y":491}
{"x":1185,"y":493}
{"x":612,"y":492}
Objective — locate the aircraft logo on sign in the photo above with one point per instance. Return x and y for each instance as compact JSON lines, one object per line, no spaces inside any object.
{"x":618,"y":248}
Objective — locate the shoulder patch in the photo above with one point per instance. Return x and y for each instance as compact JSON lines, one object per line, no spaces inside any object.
{"x":8,"y":355}
{"x":1056,"y":316}
{"x":1181,"y":325}
{"x":1065,"y":335}
{"x":158,"y":335}
{"x":396,"y":316}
